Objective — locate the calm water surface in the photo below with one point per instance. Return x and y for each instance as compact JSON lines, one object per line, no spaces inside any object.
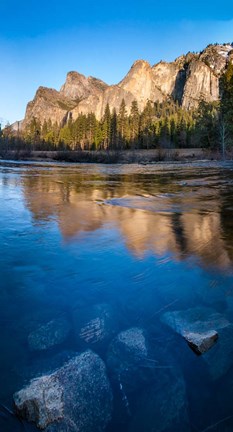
{"x":145,"y":240}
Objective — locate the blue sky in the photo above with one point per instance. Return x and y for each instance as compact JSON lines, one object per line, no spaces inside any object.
{"x":40,"y":41}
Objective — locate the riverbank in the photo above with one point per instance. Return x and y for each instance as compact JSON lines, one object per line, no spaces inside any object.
{"x":126,"y":156}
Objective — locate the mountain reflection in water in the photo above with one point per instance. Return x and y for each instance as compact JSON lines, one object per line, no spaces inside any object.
{"x":189,"y":220}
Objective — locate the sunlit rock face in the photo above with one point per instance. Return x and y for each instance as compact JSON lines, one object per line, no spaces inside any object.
{"x":87,"y":93}
{"x":189,"y":79}
{"x":203,"y":75}
{"x":215,"y":56}
{"x":48,"y":104}
{"x":169,"y":78}
{"x":201,"y":83}
{"x":78,"y":87}
{"x":141,"y":84}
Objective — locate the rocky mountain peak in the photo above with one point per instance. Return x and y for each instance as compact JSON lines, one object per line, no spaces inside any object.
{"x":138,"y":82}
{"x":216,"y":57}
{"x":139,"y":69}
{"x":78,"y":87}
{"x":188,"y":79}
{"x":185,"y":59}
{"x":140,"y":64}
{"x":46,"y":93}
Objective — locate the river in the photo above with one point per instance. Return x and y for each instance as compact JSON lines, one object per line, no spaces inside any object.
{"x":145,"y":241}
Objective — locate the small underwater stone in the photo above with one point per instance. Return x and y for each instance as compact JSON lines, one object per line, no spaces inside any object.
{"x":201,"y":342}
{"x":96,"y":325}
{"x":48,"y":335}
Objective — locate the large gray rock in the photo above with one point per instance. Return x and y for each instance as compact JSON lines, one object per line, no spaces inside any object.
{"x":127,"y":359}
{"x":199,"y":326}
{"x":41,"y":402}
{"x":49,"y":335}
{"x":202,"y":327}
{"x":75,"y":398}
{"x":95,"y":326}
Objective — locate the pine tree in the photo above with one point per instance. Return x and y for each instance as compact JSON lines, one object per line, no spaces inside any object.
{"x":122,"y":123}
{"x":206,"y":125}
{"x":91,"y":128}
{"x":98,"y":139}
{"x":113,"y":134}
{"x":145,"y":125}
{"x":134,"y":123}
{"x":106,"y":127}
{"x":65,"y":136}
{"x":165,"y":139}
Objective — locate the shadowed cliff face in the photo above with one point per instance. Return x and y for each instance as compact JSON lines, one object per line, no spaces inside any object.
{"x":188,"y":79}
{"x":154,"y":213}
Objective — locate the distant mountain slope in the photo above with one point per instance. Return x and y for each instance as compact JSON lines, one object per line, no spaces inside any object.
{"x":187,"y":80}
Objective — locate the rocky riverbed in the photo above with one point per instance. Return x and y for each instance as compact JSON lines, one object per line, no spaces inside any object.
{"x":132,"y":377}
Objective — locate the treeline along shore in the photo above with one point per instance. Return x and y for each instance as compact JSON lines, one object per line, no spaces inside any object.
{"x":164,"y":128}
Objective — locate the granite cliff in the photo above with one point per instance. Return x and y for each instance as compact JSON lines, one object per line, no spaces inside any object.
{"x":187,"y":80}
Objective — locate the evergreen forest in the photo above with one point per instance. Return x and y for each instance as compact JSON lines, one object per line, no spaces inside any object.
{"x":160,"y":125}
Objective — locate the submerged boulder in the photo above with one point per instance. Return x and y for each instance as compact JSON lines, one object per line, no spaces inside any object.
{"x":77,"y":397}
{"x":49,"y":335}
{"x":150,"y":382}
{"x":199,"y":326}
{"x":95,"y":326}
{"x":201,"y":342}
{"x":202,"y":327}
{"x":127,"y":359}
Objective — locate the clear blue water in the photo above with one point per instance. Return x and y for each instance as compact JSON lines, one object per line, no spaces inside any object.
{"x":143,"y":239}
